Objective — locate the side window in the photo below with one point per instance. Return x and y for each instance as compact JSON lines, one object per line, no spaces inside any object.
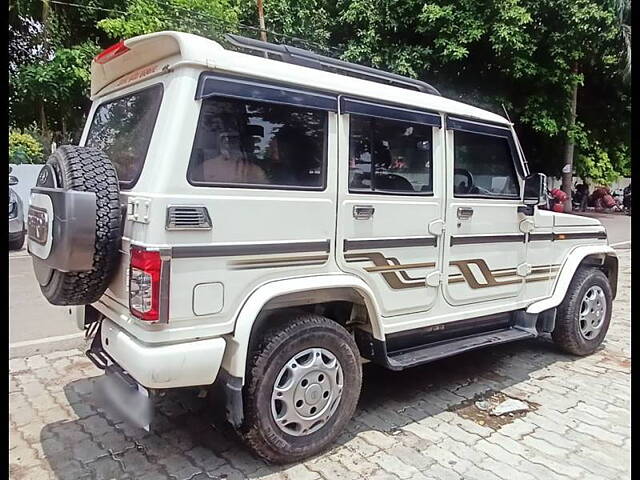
{"x":398,"y":153}
{"x":483,"y":167}
{"x":248,"y":143}
{"x":122,"y":127}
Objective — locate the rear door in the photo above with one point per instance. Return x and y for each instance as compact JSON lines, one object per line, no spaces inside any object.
{"x":390,"y":212}
{"x":485,"y":249}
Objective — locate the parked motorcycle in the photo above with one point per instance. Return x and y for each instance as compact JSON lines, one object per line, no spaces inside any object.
{"x":602,"y":199}
{"x":558,"y":197}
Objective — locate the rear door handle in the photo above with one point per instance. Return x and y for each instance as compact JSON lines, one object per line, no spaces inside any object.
{"x":363,"y":212}
{"x":465,"y":213}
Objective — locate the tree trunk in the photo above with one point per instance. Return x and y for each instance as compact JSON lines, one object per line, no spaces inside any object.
{"x":44,"y":127}
{"x":567,"y":169}
{"x":43,"y":119}
{"x":263,"y":33}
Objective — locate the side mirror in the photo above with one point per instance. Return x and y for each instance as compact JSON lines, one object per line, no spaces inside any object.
{"x":13,"y":180}
{"x":535,"y":189}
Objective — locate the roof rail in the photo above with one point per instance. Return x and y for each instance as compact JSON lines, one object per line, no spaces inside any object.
{"x":299,"y":56}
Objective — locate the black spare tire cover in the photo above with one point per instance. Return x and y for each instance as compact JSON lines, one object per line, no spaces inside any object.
{"x":84,"y":169}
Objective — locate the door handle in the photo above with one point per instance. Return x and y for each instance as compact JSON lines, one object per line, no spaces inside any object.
{"x":465,"y":213}
{"x":363,"y":212}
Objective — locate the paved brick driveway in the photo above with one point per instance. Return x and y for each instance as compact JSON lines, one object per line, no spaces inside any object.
{"x":421,"y":423}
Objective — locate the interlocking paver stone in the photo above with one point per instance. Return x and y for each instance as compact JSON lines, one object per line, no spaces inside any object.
{"x":406,"y":427}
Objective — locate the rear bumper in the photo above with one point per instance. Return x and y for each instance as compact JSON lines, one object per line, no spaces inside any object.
{"x":186,"y":364}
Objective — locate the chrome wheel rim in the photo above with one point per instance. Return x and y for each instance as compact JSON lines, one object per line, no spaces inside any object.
{"x":593,"y":309}
{"x":307,"y":391}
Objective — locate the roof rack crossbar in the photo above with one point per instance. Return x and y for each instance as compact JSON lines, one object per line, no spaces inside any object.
{"x":310,"y":59}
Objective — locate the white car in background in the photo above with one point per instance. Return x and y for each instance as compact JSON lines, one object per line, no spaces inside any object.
{"x":16,"y":217}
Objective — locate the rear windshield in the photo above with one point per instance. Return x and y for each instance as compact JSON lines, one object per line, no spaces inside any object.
{"x":123,"y":127}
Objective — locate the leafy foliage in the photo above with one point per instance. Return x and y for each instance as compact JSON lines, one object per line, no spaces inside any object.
{"x":24,"y":148}
{"x":524,"y":54}
{"x":211,"y":18}
{"x":59,"y":86}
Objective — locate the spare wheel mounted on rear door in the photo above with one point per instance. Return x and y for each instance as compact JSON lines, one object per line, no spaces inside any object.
{"x":74,"y":225}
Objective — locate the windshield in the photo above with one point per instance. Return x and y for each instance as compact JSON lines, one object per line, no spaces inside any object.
{"x":122,"y":128}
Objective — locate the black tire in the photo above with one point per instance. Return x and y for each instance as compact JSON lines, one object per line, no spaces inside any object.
{"x":567,"y":334}
{"x":260,"y":431}
{"x":17,"y":243}
{"x":87,"y":170}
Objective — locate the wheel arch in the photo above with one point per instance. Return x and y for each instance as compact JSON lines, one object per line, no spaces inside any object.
{"x":603,"y":257}
{"x":290,"y":294}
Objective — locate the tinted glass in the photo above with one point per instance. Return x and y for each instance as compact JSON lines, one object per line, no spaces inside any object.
{"x":400,"y":153}
{"x":242,"y":142}
{"x":483,"y":166}
{"x":123,"y":128}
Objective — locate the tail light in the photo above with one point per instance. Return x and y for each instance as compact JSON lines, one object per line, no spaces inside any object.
{"x":144,"y":284}
{"x":110,"y":53}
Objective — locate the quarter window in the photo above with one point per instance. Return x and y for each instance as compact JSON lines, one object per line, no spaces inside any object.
{"x":123,"y":127}
{"x":483,"y":167}
{"x":399,"y":154}
{"x":248,"y":143}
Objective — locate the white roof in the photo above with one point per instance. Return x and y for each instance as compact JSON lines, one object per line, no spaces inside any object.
{"x":148,"y":49}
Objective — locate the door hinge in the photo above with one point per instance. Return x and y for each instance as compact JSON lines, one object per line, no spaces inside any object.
{"x":138,"y":210}
{"x":437,"y":227}
{"x":433,"y":279}
{"x":527,"y":225}
{"x":523,"y":269}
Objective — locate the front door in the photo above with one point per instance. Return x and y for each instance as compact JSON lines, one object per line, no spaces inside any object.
{"x":390,"y":213}
{"x":485,"y":249}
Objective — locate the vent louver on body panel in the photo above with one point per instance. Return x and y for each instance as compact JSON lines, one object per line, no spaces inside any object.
{"x":188,"y":217}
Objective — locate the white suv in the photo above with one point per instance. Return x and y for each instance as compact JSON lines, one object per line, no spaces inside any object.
{"x":264,"y":221}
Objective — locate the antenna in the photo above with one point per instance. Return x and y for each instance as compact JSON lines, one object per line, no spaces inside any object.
{"x":518,"y":146}
{"x":505,"y":112}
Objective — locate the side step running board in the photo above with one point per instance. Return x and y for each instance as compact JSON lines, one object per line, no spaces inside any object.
{"x":447,"y":348}
{"x":420,"y":355}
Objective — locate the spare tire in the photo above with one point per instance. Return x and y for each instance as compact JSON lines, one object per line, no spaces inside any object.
{"x":84,"y":169}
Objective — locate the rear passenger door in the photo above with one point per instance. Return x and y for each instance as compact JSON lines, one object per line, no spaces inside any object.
{"x":485,"y":249}
{"x":390,"y":210}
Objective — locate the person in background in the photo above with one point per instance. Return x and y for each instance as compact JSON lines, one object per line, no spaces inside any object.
{"x":583,"y":193}
{"x":230,"y":165}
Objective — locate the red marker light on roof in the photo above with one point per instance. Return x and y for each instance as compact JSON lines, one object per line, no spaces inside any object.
{"x":110,"y":53}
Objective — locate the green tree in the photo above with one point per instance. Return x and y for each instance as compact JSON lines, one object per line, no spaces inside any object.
{"x":529,"y":55}
{"x":307,"y":20}
{"x":210,"y":18}
{"x":533,"y":56}
{"x":57,"y":88}
{"x":24,"y":148}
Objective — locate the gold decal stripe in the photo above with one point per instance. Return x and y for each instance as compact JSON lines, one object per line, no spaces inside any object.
{"x":540,"y":279}
{"x":390,"y":268}
{"x":278,"y":262}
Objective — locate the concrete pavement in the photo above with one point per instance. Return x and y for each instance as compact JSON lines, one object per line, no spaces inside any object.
{"x":618,"y":227}
{"x":34,"y":324}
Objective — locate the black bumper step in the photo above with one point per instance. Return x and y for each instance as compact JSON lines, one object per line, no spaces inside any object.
{"x":446,"y":348}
